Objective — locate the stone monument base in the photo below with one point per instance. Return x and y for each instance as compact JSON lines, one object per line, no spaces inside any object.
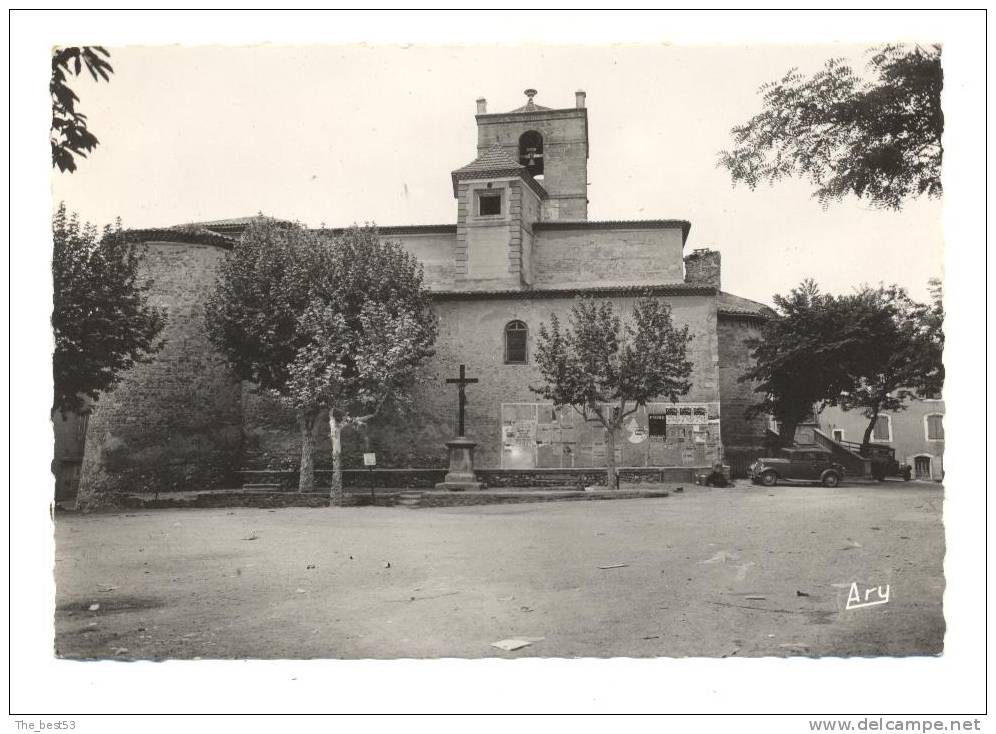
{"x":461,"y":476}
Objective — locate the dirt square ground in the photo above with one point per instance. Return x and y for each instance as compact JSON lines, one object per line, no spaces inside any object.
{"x":746,"y":571}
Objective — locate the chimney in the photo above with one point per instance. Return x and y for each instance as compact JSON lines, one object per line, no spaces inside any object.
{"x":482,"y":106}
{"x":702,"y":267}
{"x":579,"y":99}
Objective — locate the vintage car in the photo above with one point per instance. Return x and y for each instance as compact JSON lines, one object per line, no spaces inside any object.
{"x":883,"y":460}
{"x":797,"y":465}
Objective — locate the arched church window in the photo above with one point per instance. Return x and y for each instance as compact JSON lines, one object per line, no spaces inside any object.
{"x":515,"y":342}
{"x":531,"y":152}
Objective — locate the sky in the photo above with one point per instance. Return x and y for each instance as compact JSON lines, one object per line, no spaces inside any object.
{"x":354,"y":133}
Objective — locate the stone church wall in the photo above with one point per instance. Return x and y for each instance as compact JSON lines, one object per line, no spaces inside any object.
{"x":743,"y":438}
{"x":472,"y":332}
{"x":183,"y":422}
{"x":433,"y":249}
{"x":174,"y":423}
{"x":605,"y":257}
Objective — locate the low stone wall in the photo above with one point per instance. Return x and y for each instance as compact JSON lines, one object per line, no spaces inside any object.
{"x":490,"y":478}
{"x":581,"y":478}
{"x":351,"y":478}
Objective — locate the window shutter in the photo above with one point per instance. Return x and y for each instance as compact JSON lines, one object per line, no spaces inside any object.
{"x":935,"y":427}
{"x":882,"y":428}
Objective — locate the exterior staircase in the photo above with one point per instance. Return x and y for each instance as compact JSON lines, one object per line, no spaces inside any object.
{"x":846,"y":453}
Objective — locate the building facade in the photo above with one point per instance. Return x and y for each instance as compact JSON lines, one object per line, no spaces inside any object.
{"x":916,"y":434}
{"x":519,"y":250}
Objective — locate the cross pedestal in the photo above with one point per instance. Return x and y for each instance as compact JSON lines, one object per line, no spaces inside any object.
{"x":460,"y":477}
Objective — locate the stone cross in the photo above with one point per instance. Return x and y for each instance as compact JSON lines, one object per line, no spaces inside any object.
{"x":461,"y":382}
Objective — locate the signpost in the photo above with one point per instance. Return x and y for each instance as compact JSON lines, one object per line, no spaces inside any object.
{"x":370,"y":462}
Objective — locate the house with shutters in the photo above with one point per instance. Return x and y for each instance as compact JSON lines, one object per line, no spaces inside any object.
{"x":916,"y":434}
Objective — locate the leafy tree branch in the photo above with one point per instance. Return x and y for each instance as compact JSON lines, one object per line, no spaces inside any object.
{"x":877,"y":139}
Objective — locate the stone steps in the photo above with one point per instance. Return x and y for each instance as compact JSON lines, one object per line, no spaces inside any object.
{"x":412,"y":500}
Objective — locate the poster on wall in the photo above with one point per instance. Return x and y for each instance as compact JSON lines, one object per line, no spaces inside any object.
{"x":535,"y":435}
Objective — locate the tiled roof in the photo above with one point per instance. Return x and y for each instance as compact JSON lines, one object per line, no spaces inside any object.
{"x":236,"y":224}
{"x":683,"y":224}
{"x":529,"y":106}
{"x":183,"y":234}
{"x":493,"y":159}
{"x":402,"y":229}
{"x":496,"y":163}
{"x":661,"y":289}
{"x":731,"y":305}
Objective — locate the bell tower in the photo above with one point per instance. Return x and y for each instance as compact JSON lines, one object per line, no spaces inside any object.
{"x":552,"y":144}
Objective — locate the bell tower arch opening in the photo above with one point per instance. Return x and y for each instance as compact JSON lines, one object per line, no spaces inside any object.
{"x":551,"y":144}
{"x":531,"y":152}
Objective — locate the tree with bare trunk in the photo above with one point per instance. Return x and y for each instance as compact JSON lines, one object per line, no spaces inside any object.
{"x":606,"y":368}
{"x":252,"y":317}
{"x":367,"y":327}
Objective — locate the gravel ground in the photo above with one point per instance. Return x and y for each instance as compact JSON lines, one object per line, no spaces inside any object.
{"x":745,"y":571}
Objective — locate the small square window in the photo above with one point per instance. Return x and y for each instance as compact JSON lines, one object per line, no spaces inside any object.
{"x":489,"y":205}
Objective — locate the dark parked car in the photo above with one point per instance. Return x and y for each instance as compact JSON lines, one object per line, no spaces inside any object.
{"x":797,"y":465}
{"x":883,"y":460}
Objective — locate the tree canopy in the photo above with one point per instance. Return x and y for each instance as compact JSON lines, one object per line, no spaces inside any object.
{"x":70,"y":136}
{"x":253,"y":317}
{"x":263,"y":287}
{"x":102,"y":318}
{"x":324,"y":321}
{"x":606,"y":368}
{"x":872,"y":350}
{"x":368,"y":326}
{"x":799,"y":360}
{"x":903,"y":354}
{"x":877,"y":139}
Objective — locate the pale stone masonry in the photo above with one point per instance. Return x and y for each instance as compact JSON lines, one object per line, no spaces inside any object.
{"x":520,"y":250}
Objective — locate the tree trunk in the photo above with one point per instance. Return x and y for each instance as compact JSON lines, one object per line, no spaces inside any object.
{"x":611,"y":477}
{"x":335,"y":434}
{"x":866,"y":439}
{"x":306,"y":475}
{"x":786,"y":433}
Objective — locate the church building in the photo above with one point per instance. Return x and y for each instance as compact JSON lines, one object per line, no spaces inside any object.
{"x":520,"y":248}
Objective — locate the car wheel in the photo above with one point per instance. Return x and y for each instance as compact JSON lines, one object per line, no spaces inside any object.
{"x":831,"y":479}
{"x":769,"y":479}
